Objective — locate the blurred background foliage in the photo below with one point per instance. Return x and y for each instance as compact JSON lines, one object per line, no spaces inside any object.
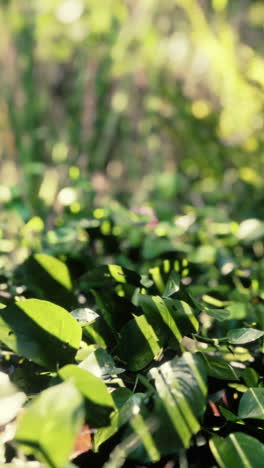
{"x":142,"y":101}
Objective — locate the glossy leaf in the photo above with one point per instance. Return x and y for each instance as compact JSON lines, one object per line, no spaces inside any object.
{"x":172,"y":285}
{"x":241,"y":336}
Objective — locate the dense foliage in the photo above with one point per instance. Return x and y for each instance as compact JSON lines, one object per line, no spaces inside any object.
{"x":131,"y":233}
{"x":104,"y":96}
{"x":134,"y":341}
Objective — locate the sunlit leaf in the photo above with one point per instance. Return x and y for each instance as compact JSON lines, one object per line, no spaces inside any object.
{"x":40,"y":331}
{"x":98,"y":401}
{"x":50,"y":424}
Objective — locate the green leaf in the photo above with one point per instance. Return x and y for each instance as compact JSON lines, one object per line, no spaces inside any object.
{"x":101,"y":364}
{"x":98,"y":401}
{"x":228,"y":414}
{"x":115,"y":310}
{"x":48,"y":278}
{"x":138,"y":343}
{"x":178,"y":405}
{"x":220,"y":369}
{"x":108,"y":276}
{"x":98,"y":332}
{"x":172,"y":285}
{"x":153,"y":247}
{"x":244,"y":335}
{"x":120,"y":417}
{"x":40,"y":331}
{"x":237,"y":450}
{"x":251,"y":404}
{"x":171,"y":319}
{"x":203,"y":254}
{"x":250,"y":377}
{"x":218,"y":314}
{"x":48,"y":427}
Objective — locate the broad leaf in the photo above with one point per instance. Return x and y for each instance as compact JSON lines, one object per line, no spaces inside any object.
{"x":218,"y":314}
{"x":251,"y":404}
{"x":101,"y":364}
{"x":98,"y":401}
{"x":250,"y":377}
{"x":47,"y":278}
{"x":228,"y":414}
{"x":115,"y":310}
{"x":120,"y":416}
{"x":220,"y":369}
{"x":243,"y":335}
{"x":178,"y":405}
{"x":171,"y":319}
{"x":108,"y":276}
{"x":237,"y":450}
{"x":40,"y":331}
{"x":48,"y":427}
{"x":138,"y":343}
{"x":172,"y":285}
{"x":98,"y":332}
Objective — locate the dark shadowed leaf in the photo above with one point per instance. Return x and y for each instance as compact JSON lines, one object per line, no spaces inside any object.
{"x":138,"y":344}
{"x":228,"y":414}
{"x":47,"y":278}
{"x":108,"y":276}
{"x":250,"y":377}
{"x":120,"y":416}
{"x":220,"y":369}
